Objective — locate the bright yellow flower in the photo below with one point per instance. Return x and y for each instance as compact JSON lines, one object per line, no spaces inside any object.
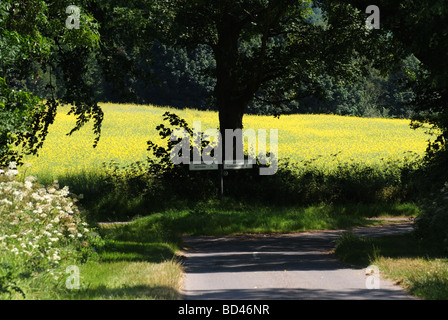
{"x":127,"y":128}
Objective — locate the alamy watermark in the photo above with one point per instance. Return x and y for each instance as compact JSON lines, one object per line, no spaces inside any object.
{"x":234,"y":152}
{"x":72,"y":281}
{"x":373,"y":21}
{"x":73,"y":20}
{"x":373,"y":277}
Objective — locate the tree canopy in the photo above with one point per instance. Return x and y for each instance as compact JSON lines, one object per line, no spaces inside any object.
{"x":273,"y":50}
{"x":32,"y":39}
{"x":252,"y":54}
{"x":420,"y":29}
{"x":35,"y":39}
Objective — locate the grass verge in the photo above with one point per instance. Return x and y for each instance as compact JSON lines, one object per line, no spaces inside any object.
{"x":135,"y":265}
{"x":420,"y":268}
{"x":216,"y":218}
{"x":129,"y":280}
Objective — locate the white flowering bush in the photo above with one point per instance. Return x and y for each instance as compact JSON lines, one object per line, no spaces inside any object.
{"x":41,"y":230}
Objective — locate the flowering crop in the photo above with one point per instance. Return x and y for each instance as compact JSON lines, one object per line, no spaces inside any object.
{"x":41,"y":228}
{"x":301,"y":138}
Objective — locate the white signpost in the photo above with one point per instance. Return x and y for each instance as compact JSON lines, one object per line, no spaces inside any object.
{"x":203,"y":167}
{"x":235,"y":165}
{"x":228,"y":165}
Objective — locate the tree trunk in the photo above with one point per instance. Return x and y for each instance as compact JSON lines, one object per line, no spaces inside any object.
{"x":230,"y":91}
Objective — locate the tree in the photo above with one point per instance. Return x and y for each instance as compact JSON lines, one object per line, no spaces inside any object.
{"x":29,"y":34}
{"x":180,"y":78}
{"x":420,"y":28}
{"x":35,"y":40}
{"x":21,"y":43}
{"x":273,"y":50}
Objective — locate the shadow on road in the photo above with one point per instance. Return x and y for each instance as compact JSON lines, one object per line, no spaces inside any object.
{"x":298,"y":294}
{"x":292,"y":266}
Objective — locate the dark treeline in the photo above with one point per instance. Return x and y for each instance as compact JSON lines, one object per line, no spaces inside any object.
{"x":184,"y":79}
{"x":181,"y":79}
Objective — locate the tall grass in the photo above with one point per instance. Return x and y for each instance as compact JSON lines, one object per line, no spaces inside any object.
{"x":421,"y":267}
{"x":134,"y":264}
{"x":124,"y":194}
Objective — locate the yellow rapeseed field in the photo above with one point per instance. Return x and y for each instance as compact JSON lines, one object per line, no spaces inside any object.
{"x":127,"y":128}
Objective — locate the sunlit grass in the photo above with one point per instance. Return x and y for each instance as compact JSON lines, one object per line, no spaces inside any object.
{"x":423,"y":277}
{"x":421,"y":268}
{"x":134,"y":264}
{"x":124,"y":280}
{"x":232,"y":217}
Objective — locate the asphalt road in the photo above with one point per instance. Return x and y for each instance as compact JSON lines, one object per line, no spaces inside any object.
{"x":269,"y":267}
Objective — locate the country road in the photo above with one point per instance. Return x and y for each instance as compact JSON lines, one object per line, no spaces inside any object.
{"x":269,"y":267}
